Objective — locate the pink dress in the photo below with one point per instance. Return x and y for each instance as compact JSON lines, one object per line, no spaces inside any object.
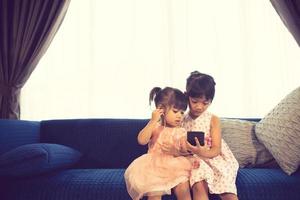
{"x":156,"y":173}
{"x":219,"y":172}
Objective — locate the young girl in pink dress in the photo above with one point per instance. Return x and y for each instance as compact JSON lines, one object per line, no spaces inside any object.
{"x":156,"y":173}
{"x":218,"y":166}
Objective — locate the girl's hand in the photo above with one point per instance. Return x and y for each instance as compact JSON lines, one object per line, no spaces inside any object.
{"x":195,"y":164}
{"x":183,"y":148}
{"x":182,"y":145}
{"x":194,"y":149}
{"x":156,"y":114}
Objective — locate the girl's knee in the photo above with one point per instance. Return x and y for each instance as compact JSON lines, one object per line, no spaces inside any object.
{"x":200,"y":190}
{"x":182,"y":188}
{"x":200,"y":187}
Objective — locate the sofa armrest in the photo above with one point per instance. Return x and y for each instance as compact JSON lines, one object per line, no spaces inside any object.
{"x":14,"y":133}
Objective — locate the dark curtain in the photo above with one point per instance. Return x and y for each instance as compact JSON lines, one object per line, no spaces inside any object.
{"x":289,"y":12}
{"x":27,"y":28}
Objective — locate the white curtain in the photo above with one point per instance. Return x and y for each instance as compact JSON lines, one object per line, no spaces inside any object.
{"x":108,"y":55}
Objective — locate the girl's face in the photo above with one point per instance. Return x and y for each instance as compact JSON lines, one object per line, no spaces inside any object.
{"x":173,"y":117}
{"x":198,"y":105}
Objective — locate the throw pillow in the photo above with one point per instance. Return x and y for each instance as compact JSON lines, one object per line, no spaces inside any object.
{"x":240,"y":137}
{"x":34,"y":159}
{"x":279,"y":131}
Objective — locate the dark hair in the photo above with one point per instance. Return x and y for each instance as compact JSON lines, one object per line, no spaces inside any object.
{"x":200,"y":85}
{"x":168,"y":97}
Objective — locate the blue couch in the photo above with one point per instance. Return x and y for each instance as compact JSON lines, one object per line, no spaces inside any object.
{"x":106,"y":146}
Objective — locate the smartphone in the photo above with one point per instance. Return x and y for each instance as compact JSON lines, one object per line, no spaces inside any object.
{"x":198,"y":134}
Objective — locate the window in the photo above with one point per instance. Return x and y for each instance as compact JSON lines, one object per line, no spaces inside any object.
{"x":108,"y":55}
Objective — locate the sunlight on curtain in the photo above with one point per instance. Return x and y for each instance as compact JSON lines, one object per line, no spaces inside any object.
{"x":108,"y":55}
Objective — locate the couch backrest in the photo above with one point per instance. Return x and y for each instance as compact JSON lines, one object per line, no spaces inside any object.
{"x":14,"y":133}
{"x":105,"y":143}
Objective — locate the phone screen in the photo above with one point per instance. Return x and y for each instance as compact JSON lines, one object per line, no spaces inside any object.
{"x":191,"y":137}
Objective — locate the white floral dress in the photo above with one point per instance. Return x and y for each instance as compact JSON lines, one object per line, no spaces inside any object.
{"x":219,"y":172}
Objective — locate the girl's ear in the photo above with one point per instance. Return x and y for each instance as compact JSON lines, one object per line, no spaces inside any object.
{"x":160,"y":106}
{"x":162,"y":118}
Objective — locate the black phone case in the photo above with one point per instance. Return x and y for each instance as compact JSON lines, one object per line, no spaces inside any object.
{"x":191,"y":137}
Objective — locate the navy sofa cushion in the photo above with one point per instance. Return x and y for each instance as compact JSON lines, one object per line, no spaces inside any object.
{"x":15,"y":133}
{"x":263,"y":183}
{"x":108,"y":184}
{"x":104,"y":143}
{"x":34,"y":159}
{"x":75,"y":184}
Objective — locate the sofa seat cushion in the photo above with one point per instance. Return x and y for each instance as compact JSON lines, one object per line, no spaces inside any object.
{"x":272,"y":184}
{"x":108,"y":184}
{"x":71,"y":184}
{"x":35,"y":159}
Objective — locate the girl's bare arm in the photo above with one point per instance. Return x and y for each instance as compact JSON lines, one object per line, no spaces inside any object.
{"x":145,"y":134}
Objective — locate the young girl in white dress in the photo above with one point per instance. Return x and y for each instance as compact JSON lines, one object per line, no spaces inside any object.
{"x":218,"y":166}
{"x":156,"y":173}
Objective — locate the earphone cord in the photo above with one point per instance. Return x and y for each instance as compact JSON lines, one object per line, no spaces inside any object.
{"x":164,"y":122}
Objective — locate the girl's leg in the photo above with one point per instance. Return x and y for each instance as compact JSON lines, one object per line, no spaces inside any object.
{"x":182,"y":191}
{"x":228,"y":196}
{"x":200,"y":191}
{"x":154,"y":197}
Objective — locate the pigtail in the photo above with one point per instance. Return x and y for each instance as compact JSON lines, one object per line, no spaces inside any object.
{"x":153,"y":93}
